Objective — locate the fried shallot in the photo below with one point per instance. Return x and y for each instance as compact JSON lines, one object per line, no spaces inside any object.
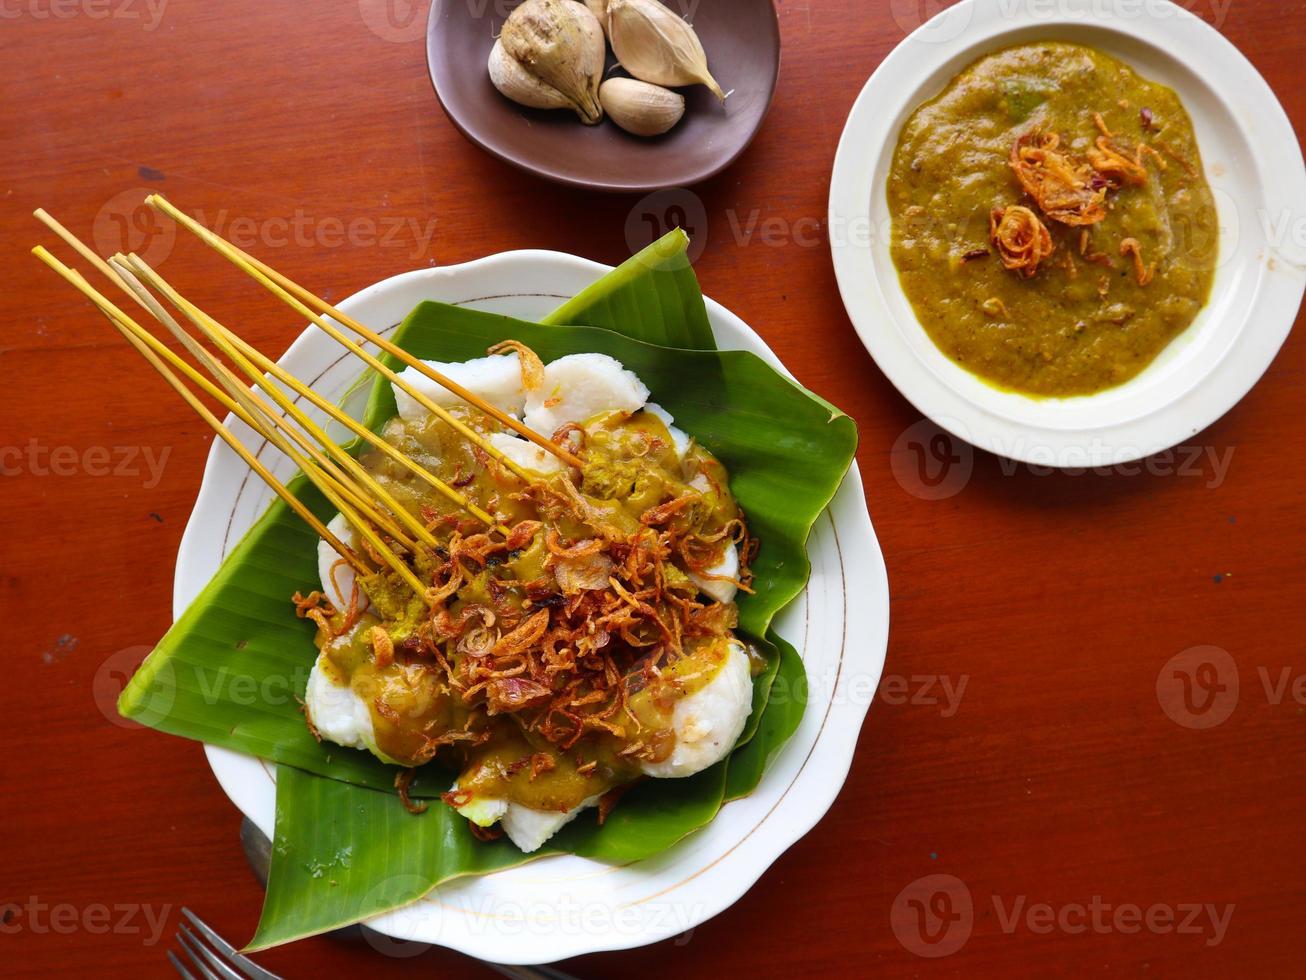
{"x":1065,"y":189}
{"x":1022,"y":240}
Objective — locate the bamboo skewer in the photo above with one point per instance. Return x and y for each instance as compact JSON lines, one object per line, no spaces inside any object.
{"x":197,"y":317}
{"x":439,"y":410}
{"x":271,"y":367}
{"x":314,"y":464}
{"x":427,"y":403}
{"x":137,"y":336}
{"x":117,"y":318}
{"x":344,"y":507}
{"x":334,"y":473}
{"x":82,"y":249}
{"x":251,"y":361}
{"x":266,"y":422}
{"x":297,"y":296}
{"x":133,"y":332}
{"x":146,"y":302}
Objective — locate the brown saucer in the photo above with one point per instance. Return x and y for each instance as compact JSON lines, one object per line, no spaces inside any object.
{"x":742,"y":40}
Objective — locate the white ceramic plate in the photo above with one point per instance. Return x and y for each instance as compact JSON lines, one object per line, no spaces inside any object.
{"x":565,"y":906}
{"x":1254,"y":166}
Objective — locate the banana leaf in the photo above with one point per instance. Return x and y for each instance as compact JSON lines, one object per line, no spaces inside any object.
{"x":652,"y":817}
{"x":229,"y":672}
{"x":653,"y":296}
{"x":231,"y":669}
{"x":342,"y":853}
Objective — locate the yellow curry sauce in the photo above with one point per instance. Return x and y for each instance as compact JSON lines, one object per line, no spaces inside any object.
{"x":631,"y":466}
{"x":1092,"y":314}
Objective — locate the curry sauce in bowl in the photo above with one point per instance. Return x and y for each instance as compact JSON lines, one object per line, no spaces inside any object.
{"x":1052,"y":226}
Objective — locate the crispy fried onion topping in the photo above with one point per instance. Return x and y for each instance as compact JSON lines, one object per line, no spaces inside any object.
{"x":563,"y":653}
{"x":1021,"y":239}
{"x":1064,"y":188}
{"x":532,"y":368}
{"x":403,"y":780}
{"x":316,"y":607}
{"x":1071,"y":191}
{"x":1115,"y":166}
{"x":383,"y":647}
{"x":615,"y":612}
{"x":1144,"y":273}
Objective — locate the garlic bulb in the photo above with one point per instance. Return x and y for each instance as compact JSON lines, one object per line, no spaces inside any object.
{"x":655,"y":45}
{"x":514,"y":81}
{"x":599,"y":8}
{"x":641,"y":108}
{"x":560,"y":44}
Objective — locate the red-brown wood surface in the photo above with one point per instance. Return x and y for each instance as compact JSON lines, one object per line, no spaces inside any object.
{"x":310,"y":132}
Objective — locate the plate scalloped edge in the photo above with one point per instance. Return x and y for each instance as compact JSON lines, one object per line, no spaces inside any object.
{"x":607,"y":908}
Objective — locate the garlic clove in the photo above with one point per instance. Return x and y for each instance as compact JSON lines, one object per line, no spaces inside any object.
{"x":655,"y":45}
{"x":515,"y":82}
{"x":639,"y":107}
{"x":599,"y":8}
{"x":560,"y":43}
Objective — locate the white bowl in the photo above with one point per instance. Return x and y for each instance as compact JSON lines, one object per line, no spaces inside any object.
{"x":1254,"y":167}
{"x":565,"y":906}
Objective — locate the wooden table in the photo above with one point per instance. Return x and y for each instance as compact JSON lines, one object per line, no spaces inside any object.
{"x":1057,"y":600}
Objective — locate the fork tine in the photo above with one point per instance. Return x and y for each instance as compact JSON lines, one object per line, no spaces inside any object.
{"x":190,"y":946}
{"x":244,"y":963}
{"x":219,"y":969}
{"x":181,"y":970}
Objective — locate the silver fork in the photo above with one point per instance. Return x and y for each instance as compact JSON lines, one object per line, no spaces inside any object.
{"x":224,"y":964}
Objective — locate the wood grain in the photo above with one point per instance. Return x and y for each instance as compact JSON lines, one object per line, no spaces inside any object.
{"x":1057,"y":598}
